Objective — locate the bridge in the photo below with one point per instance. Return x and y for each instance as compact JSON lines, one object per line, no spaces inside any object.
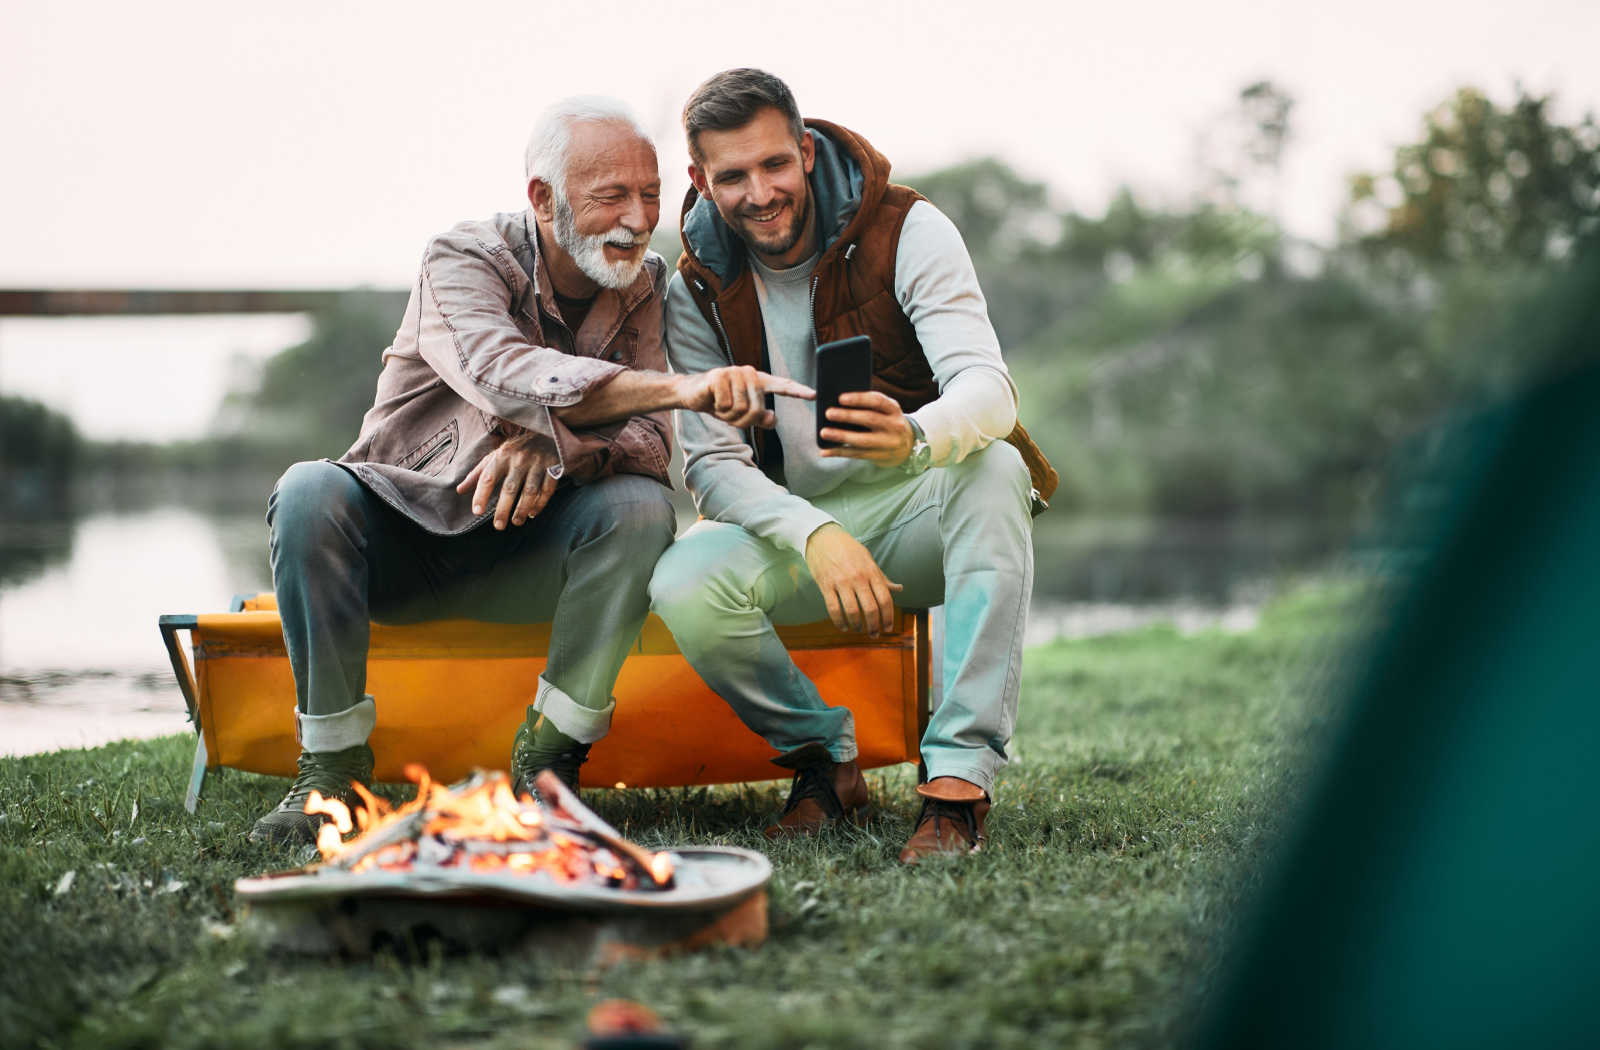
{"x":125,"y":302}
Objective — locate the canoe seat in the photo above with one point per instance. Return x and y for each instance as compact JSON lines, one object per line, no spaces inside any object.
{"x":451,"y":693}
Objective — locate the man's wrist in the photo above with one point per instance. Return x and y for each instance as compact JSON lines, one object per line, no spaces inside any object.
{"x":677,"y":390}
{"x":820,"y":530}
{"x":658,"y":390}
{"x":625,"y":392}
{"x":920,"y":456}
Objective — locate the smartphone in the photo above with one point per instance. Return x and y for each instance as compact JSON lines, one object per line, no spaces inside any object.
{"x":843,"y":365}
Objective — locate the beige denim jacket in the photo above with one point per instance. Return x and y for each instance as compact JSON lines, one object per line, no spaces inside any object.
{"x":483,"y":354}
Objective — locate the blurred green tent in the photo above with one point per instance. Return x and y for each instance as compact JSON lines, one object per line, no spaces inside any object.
{"x":1442,"y":885}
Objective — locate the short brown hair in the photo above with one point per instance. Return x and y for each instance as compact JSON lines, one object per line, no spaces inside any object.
{"x":731,"y":99}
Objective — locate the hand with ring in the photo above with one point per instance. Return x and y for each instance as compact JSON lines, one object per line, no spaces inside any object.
{"x":524,"y":469}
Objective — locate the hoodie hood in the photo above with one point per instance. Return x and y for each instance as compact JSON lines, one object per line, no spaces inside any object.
{"x":847,"y":180}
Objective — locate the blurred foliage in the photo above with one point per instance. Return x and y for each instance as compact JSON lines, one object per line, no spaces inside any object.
{"x":1483,"y":184}
{"x":998,"y":212}
{"x":34,"y":435}
{"x":39,"y":451}
{"x":1193,"y":359}
{"x":1175,"y":356}
{"x":309,"y":399}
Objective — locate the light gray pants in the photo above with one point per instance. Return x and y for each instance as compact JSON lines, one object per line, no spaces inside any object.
{"x":342,"y":557}
{"x":961,"y":535}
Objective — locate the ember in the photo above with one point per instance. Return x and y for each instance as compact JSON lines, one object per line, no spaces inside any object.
{"x":481,"y":826}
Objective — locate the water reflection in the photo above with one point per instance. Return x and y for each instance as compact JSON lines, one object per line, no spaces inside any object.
{"x":27,"y":548}
{"x":81,"y":661}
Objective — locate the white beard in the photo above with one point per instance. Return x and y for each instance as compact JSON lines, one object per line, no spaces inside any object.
{"x":588,"y":250}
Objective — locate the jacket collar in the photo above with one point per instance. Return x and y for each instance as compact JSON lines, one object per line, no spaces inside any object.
{"x":847,"y":181}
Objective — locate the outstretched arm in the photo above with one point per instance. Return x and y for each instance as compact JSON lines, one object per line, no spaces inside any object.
{"x":736,"y":395}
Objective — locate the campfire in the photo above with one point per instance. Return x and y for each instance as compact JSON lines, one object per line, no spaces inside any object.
{"x":472,"y":866}
{"x":483,"y":827}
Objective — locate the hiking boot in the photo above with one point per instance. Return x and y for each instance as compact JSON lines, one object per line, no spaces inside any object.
{"x":951,"y":821}
{"x":329,"y":772}
{"x":823,"y":791}
{"x":540,"y":745}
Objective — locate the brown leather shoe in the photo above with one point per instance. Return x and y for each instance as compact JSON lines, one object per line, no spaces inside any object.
{"x":823,"y":791}
{"x":951,"y":821}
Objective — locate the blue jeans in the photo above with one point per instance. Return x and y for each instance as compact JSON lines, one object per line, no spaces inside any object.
{"x":342,"y":557}
{"x":961,"y":535}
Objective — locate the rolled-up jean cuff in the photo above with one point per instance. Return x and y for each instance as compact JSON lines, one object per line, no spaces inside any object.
{"x":984,"y":778}
{"x":843,"y":748}
{"x":583,"y":724}
{"x":336,"y":732}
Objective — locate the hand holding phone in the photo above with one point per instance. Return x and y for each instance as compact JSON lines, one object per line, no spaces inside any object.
{"x":843,"y":366}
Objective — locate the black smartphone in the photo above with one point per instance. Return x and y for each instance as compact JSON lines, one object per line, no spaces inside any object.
{"x":843,"y":365}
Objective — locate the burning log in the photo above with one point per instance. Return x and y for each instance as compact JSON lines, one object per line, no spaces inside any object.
{"x":475,"y":866}
{"x":658,"y":866}
{"x":480,"y":824}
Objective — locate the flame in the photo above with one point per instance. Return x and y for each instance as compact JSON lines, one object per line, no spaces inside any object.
{"x":481,"y":826}
{"x":331,"y":807}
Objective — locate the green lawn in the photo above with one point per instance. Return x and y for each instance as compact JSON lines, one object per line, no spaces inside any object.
{"x":1150,"y":771}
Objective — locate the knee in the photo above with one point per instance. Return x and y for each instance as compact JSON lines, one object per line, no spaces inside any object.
{"x":679,"y":584}
{"x":995,"y":479}
{"x":308,"y":499}
{"x":632,"y":521}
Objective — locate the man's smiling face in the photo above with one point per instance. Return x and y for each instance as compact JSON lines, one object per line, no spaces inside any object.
{"x":755,"y":175}
{"x":610,"y":205}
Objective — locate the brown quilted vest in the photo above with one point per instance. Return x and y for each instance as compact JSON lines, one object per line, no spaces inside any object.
{"x":852,"y":294}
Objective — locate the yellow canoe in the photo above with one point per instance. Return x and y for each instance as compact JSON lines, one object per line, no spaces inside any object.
{"x":450,"y":694}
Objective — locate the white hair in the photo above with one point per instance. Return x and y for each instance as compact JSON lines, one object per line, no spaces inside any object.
{"x":548,"y":146}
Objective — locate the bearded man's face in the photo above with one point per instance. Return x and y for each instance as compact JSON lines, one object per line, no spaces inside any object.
{"x":755,"y":176}
{"x":611,"y":201}
{"x":611,"y":259}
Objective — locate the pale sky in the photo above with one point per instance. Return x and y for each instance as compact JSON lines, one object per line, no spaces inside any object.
{"x":185,"y":144}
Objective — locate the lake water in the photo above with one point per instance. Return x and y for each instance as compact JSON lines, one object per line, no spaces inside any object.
{"x":81,"y":660}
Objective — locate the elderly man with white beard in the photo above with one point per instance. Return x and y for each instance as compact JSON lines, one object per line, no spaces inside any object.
{"x":512,"y":467}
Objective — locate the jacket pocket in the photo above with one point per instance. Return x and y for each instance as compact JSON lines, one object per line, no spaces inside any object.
{"x":623,"y":347}
{"x":434,"y":454}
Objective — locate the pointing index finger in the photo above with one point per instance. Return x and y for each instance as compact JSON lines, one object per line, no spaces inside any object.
{"x":787,"y":388}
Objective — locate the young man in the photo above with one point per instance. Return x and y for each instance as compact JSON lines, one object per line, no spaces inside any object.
{"x":526,"y":387}
{"x":793,"y":235}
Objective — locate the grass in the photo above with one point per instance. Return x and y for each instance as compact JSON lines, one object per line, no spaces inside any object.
{"x":1150,"y":774}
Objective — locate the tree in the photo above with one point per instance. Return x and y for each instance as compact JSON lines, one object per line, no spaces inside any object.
{"x":40,"y":450}
{"x":1000,"y":214}
{"x":1241,"y":154}
{"x":310,"y":398}
{"x":1483,"y":185}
